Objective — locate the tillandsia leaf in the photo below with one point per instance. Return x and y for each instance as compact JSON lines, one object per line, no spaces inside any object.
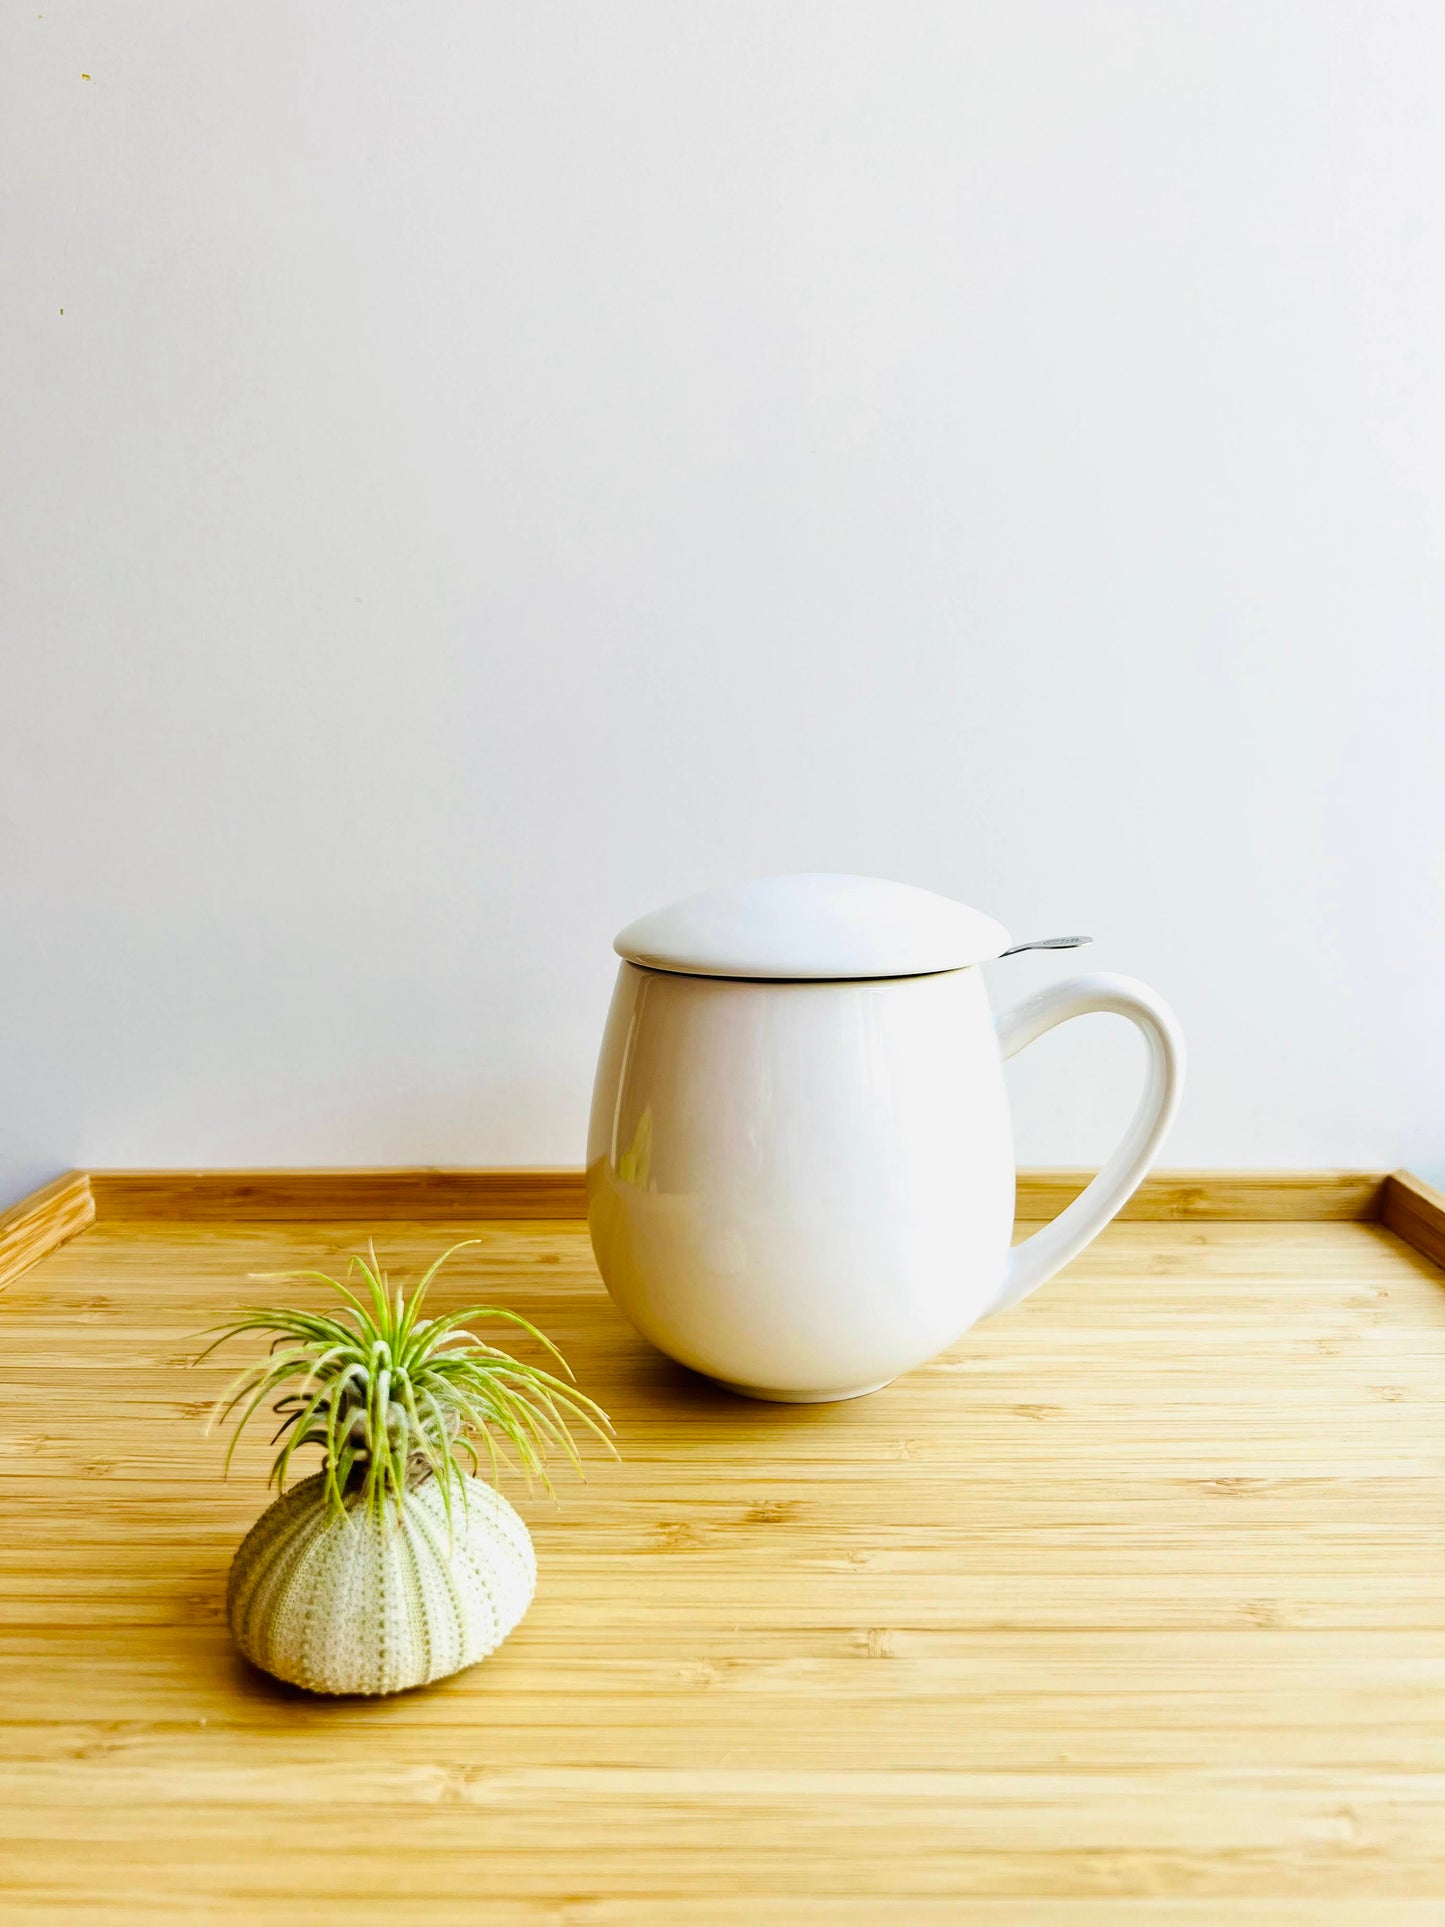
{"x":376,"y":1283}
{"x":390,"y":1396}
{"x":286,"y":1277}
{"x":449,"y":1326}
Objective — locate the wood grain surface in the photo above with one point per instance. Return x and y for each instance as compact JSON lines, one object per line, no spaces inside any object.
{"x":455,"y":1195}
{"x":42,"y":1221}
{"x":1129,"y":1611}
{"x":433,"y":1196}
{"x":1416,"y":1212}
{"x":1213,"y":1196}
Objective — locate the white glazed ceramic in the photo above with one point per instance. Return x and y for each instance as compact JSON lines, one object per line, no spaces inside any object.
{"x":801,"y":1181}
{"x":812,"y":927}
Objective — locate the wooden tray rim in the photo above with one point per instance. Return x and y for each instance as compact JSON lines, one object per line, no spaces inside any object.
{"x":78,"y":1199}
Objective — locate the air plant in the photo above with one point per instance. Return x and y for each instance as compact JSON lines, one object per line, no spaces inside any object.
{"x":391,"y":1396}
{"x":362,"y":1578}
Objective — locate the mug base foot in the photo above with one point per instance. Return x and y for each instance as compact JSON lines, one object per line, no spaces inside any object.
{"x":801,"y":1398}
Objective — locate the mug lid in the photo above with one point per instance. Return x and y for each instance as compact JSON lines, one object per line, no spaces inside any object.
{"x":812,"y":927}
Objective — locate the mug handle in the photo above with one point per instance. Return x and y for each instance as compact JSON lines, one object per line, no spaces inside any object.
{"x":1038,"y":1257}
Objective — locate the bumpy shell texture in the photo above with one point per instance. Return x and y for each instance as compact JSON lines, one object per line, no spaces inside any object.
{"x":363,"y":1603}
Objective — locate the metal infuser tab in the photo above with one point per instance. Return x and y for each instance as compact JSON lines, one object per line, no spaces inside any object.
{"x":1046,"y":943}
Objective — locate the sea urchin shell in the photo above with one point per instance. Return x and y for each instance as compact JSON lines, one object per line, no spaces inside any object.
{"x":367,"y":1601}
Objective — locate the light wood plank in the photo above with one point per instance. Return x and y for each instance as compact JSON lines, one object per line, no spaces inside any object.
{"x":42,"y":1221}
{"x":1415,"y":1211}
{"x":1129,"y":1611}
{"x":439,"y":1196}
{"x":1207,"y":1196}
{"x":98,"y":1907}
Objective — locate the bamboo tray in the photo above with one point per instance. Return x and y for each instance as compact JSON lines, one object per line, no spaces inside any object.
{"x":1128,"y":1610}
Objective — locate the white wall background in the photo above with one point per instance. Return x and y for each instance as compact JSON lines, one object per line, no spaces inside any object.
{"x":472,"y":472}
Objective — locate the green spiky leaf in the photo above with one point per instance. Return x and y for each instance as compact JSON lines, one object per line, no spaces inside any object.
{"x":390,"y":1396}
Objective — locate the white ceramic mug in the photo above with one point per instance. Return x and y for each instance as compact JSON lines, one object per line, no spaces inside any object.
{"x":804,"y":1185}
